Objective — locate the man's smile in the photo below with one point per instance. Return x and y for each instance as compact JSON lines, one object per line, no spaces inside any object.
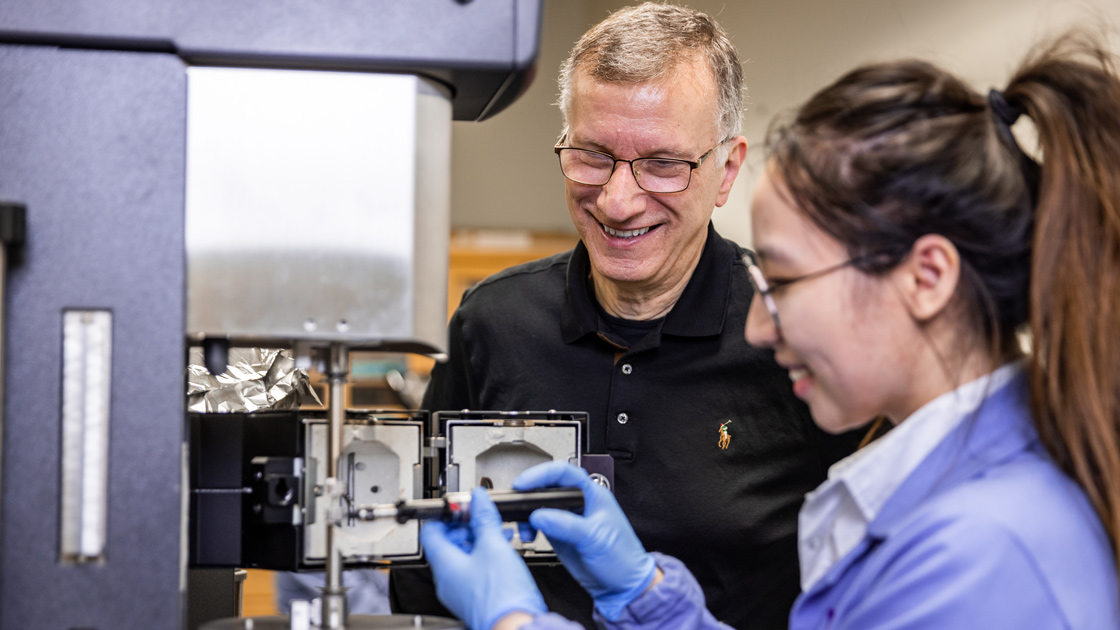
{"x":626,"y":233}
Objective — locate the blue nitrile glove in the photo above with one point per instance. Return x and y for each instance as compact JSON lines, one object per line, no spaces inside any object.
{"x":599,"y":548}
{"x":478,"y":575}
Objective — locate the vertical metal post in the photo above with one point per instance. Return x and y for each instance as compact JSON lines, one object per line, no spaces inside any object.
{"x":12,"y":231}
{"x":3,"y":284}
{"x":334,"y":612}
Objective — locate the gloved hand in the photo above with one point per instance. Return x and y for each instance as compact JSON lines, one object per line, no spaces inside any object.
{"x":478,"y":575}
{"x":599,"y":548}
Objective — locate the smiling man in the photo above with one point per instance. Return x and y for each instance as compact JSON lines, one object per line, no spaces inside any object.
{"x":641,"y":325}
{"x":645,"y":225}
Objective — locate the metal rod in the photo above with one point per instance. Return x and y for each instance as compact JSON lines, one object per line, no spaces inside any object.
{"x":3,"y":279}
{"x":13,"y":218}
{"x":455,"y":506}
{"x":334,"y":612}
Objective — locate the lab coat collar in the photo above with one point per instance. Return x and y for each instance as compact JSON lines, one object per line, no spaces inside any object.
{"x":699,"y":312}
{"x":1001,"y":428}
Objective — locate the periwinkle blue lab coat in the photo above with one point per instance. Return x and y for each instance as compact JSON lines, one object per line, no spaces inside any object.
{"x":986,"y":533}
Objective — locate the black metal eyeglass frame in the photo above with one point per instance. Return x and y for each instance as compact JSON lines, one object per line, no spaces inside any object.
{"x":692,"y":165}
{"x":765,"y":289}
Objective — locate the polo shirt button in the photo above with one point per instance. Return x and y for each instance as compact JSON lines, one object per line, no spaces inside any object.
{"x":626,"y":369}
{"x":623,"y":418}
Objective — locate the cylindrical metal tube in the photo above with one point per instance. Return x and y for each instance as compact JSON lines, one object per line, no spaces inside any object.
{"x":334,"y":611}
{"x":3,"y":278}
{"x":456,"y":506}
{"x":338,"y":370}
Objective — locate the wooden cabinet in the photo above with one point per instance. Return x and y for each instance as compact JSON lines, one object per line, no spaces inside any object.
{"x":257,"y":599}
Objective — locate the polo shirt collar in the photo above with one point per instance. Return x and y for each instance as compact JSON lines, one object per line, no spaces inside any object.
{"x":699,"y":312}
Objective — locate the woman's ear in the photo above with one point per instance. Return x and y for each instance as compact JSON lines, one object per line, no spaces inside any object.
{"x":928,"y":277}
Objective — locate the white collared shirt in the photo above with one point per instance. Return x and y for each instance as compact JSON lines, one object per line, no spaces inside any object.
{"x":835,"y":516}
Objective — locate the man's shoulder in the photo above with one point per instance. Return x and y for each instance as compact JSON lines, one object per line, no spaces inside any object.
{"x":553,"y":263}
{"x":721,"y":251}
{"x":527,"y":281}
{"x":731,"y":246}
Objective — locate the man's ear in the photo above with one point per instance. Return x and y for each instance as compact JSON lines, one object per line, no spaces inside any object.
{"x":734,"y":162}
{"x":928,"y":277}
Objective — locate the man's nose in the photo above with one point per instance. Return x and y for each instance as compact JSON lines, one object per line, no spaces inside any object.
{"x":620,"y":196}
{"x":761,"y":331}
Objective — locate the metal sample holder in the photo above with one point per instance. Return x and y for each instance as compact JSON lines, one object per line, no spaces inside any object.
{"x":491,"y":448}
{"x":258,"y":480}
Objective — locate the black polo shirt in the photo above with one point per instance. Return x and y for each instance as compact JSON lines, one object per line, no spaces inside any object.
{"x":530,"y":338}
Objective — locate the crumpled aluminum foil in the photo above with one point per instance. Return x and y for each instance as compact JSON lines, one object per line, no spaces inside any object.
{"x":256,"y":379}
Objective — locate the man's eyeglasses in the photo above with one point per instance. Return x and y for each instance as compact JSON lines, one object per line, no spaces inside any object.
{"x":655,"y":175}
{"x":766,"y":289}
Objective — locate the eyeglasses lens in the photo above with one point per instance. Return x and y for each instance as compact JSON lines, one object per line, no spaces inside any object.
{"x":652,"y":174}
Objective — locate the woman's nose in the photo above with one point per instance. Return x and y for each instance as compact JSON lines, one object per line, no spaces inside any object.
{"x":761,"y":329}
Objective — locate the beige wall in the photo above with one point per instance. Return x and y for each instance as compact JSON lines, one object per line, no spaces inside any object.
{"x":505,"y":174}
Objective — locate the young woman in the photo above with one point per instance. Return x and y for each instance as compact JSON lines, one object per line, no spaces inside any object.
{"x":904,"y":240}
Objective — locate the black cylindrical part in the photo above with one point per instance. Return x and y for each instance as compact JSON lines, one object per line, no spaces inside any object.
{"x":512,"y":505}
{"x":517,"y":506}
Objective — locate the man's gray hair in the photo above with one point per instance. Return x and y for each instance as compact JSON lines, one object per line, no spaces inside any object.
{"x":648,"y":42}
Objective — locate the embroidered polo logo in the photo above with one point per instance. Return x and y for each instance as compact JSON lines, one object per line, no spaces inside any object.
{"x":724,"y":436}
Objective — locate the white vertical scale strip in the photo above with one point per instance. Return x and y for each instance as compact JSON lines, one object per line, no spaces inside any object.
{"x":86,"y":363}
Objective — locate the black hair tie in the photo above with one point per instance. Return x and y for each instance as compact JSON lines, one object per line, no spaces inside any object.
{"x":1004,"y":112}
{"x":1006,"y":115}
